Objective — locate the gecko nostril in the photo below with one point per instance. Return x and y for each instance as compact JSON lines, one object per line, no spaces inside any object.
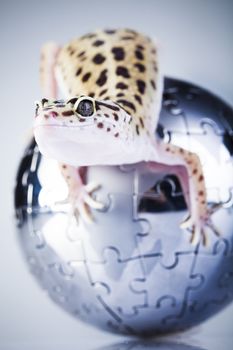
{"x":53,"y":114}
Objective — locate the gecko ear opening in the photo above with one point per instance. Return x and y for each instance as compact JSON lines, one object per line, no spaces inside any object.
{"x":85,"y":107}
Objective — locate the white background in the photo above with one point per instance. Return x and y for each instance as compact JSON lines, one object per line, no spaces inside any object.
{"x":196,"y":42}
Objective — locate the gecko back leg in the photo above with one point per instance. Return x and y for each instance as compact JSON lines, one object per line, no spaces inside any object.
{"x":49,"y":53}
{"x":193,"y":186}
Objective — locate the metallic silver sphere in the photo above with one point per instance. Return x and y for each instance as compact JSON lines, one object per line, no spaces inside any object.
{"x":133,"y":270}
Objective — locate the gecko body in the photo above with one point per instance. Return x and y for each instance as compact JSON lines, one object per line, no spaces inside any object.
{"x":112,"y":85}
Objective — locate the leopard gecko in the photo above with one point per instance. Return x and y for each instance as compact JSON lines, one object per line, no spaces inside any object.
{"x":112,"y":86}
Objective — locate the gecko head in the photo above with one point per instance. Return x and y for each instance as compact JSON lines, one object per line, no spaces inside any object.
{"x":83,"y":131}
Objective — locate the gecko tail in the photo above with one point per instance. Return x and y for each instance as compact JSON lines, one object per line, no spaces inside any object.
{"x":48,"y":58}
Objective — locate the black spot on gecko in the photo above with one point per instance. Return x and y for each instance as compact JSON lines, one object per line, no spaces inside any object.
{"x":103,"y":92}
{"x":141,"y":68}
{"x":106,"y":115}
{"x":122,"y":71}
{"x":127,"y":37}
{"x":100,"y":125}
{"x":110,"y":31}
{"x":138,"y":99}
{"x":201,"y":193}
{"x":119,"y":53}
{"x":140,"y":47}
{"x":141,"y":86}
{"x":126,"y":103}
{"x":120,"y":94}
{"x":72,"y":52}
{"x":98,"y":58}
{"x":141,"y":122}
{"x":137,"y":129}
{"x":79,"y":71}
{"x":88,"y":36}
{"x":91,"y":94}
{"x":121,"y":86}
{"x":43,"y":101}
{"x":67,"y":113}
{"x":201,"y":178}
{"x":117,"y":134}
{"x":86,"y":77}
{"x":72,"y":100}
{"x":128,"y":30}
{"x":98,"y":43}
{"x":116,"y":117}
{"x":81,"y":54}
{"x":139,"y":55}
{"x":99,"y":103}
{"x":153,"y":84}
{"x":102,"y":78}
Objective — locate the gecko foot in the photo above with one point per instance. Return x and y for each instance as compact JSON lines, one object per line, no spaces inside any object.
{"x":197,"y":227}
{"x":83,"y":201}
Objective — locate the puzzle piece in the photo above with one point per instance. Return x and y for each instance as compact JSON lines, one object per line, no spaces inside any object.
{"x":70,"y":286}
{"x":135,"y":218}
{"x":109,"y":232}
{"x":116,"y":275}
{"x":50,"y":236}
{"x":27,"y":183}
{"x":164,"y":287}
{"x":172,"y":115}
{"x":214,"y":269}
{"x":164,"y":210}
{"x":199,"y":106}
{"x":99,"y":293}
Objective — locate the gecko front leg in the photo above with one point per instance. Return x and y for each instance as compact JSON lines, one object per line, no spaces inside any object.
{"x":80,"y":196}
{"x":188,"y":167}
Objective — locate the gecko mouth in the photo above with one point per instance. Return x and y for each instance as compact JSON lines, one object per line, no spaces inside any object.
{"x":101,"y":124}
{"x":65,"y":125}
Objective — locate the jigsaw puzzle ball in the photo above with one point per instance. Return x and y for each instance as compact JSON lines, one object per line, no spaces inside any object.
{"x":133,"y":270}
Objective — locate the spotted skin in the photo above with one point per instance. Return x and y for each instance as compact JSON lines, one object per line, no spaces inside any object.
{"x":113,"y":65}
{"x":116,"y":74}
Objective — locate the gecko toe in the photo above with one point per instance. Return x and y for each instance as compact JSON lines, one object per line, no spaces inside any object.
{"x":186,"y":223}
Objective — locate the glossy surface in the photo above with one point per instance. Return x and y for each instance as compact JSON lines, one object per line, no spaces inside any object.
{"x":133,"y":270}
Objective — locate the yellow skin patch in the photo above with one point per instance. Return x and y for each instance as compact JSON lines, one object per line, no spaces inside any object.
{"x":112,"y":84}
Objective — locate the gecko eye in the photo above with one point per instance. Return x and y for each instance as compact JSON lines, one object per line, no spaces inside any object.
{"x":85,"y":108}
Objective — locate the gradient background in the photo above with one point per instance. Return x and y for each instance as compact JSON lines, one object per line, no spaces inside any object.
{"x":196,"y":42}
